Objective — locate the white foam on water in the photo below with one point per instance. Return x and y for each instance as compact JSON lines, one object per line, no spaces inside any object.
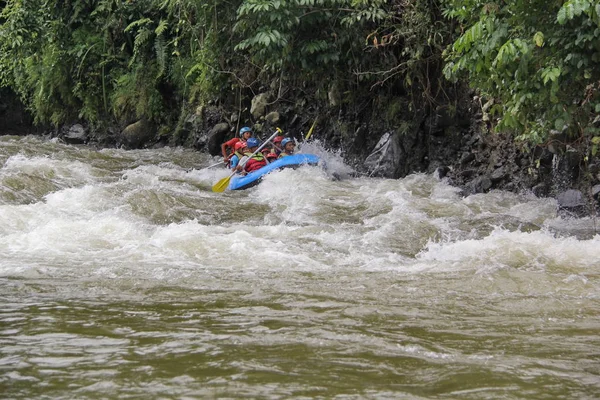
{"x":515,"y":249}
{"x":331,"y":160}
{"x":295,"y":220}
{"x":67,"y":172}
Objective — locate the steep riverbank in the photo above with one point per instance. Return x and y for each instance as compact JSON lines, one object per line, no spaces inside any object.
{"x":381,"y":138}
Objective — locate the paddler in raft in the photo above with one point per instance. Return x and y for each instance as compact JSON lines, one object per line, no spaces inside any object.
{"x":288,"y":146}
{"x":256,"y":161}
{"x":269,"y":151}
{"x":245,"y":134}
{"x":277,"y":145}
{"x":239,"y":150}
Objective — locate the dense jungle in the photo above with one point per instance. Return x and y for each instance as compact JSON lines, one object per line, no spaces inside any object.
{"x":488,"y":94}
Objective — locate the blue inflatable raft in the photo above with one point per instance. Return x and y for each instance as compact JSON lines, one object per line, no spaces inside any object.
{"x":253,"y":178}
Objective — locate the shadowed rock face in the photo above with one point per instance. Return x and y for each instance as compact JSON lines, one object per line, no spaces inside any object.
{"x":14,"y":119}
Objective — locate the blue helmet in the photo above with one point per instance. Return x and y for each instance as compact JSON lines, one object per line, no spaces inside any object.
{"x":285,"y":141}
{"x":244,"y":130}
{"x":252,"y":142}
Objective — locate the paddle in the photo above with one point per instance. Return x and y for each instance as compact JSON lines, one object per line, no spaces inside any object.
{"x":214,"y":165}
{"x":223,"y":183}
{"x":210,"y":166}
{"x":310,"y":131}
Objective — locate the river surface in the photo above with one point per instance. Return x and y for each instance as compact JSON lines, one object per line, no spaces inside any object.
{"x":123,"y":276}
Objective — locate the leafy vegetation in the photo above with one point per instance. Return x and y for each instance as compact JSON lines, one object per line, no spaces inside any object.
{"x":106,"y":60}
{"x":538,"y":60}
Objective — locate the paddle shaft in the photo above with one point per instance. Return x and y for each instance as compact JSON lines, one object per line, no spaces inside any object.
{"x":259,"y":148}
{"x":214,"y":165}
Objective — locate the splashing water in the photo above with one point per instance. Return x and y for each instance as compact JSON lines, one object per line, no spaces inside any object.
{"x":123,"y":275}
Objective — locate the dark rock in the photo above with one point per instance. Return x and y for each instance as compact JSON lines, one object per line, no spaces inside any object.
{"x":216,"y":136}
{"x":596,"y":192}
{"x":498,"y":174}
{"x":468,"y":173}
{"x":566,"y":170}
{"x":138,"y":134}
{"x":467,"y":158}
{"x":510,"y":187}
{"x":441,"y":172}
{"x":481,"y":184}
{"x":474,"y":140}
{"x":522,"y":162}
{"x":571,"y":203}
{"x":384,"y":158}
{"x":74,"y":134}
{"x":541,"y":190}
{"x":570,"y":198}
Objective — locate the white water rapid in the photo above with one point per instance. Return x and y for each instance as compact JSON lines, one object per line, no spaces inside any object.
{"x":122,"y":275}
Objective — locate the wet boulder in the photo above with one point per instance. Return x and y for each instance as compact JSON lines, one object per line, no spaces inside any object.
{"x":383,"y":160}
{"x":498,"y":174}
{"x":74,"y":134}
{"x":441,"y":172}
{"x":139,"y":134}
{"x":571,"y":203}
{"x":481,"y":184}
{"x":216,"y":136}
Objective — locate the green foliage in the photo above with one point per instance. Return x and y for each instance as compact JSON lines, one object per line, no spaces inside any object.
{"x":313,"y":35}
{"x":538,"y":60}
{"x":92,"y":60}
{"x":120,"y":60}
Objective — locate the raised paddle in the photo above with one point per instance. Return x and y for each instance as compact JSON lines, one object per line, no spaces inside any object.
{"x":223,"y":183}
{"x":310,"y":131}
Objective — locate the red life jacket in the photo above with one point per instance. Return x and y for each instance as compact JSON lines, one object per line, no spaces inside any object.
{"x":257,"y":161}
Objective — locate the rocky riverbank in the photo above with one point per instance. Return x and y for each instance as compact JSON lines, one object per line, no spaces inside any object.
{"x":452,"y":139}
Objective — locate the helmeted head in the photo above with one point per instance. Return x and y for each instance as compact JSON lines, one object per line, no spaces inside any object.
{"x":239,"y":146}
{"x":252,"y":142}
{"x":288,"y":144}
{"x":245,"y":132}
{"x":277,"y":139}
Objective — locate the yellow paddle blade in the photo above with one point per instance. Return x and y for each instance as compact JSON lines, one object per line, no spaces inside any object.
{"x":310,"y":131}
{"x":221,"y":185}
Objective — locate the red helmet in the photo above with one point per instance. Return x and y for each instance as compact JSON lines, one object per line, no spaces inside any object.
{"x":277,"y":139}
{"x":239,"y":145}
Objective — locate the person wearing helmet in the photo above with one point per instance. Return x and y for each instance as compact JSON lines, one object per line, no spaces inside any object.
{"x":238,"y":154}
{"x":288,"y":146}
{"x":277,"y":145}
{"x":251,"y":162}
{"x":269,"y":151}
{"x":245,"y":134}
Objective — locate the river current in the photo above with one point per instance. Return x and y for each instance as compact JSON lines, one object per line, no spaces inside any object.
{"x":123,"y":276}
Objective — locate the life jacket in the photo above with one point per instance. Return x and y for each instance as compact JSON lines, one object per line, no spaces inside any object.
{"x":230,"y":163}
{"x":255,"y":162}
{"x":284,"y":154}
